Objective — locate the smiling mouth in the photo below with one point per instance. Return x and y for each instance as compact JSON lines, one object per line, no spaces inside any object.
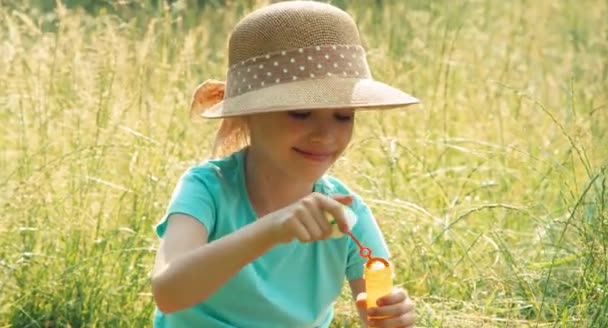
{"x":318,"y":157}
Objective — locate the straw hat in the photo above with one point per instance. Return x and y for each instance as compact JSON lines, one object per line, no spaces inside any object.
{"x":295,"y":55}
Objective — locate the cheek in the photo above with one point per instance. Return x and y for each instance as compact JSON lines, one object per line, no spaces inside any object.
{"x":345,"y":134}
{"x":263,"y":128}
{"x":293,"y":131}
{"x":275,"y":137}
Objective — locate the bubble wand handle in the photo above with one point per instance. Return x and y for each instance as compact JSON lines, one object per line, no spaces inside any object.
{"x":365,"y":252}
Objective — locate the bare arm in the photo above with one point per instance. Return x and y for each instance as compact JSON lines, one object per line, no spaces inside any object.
{"x":357,"y":288}
{"x":184,"y":255}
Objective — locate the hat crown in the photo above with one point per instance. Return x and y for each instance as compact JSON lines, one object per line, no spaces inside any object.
{"x":299,"y":55}
{"x":290,"y":25}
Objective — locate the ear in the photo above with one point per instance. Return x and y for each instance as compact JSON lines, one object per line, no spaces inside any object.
{"x":206,"y":95}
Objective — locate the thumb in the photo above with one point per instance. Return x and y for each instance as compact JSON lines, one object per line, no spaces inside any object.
{"x":361,"y":301}
{"x":343,"y":199}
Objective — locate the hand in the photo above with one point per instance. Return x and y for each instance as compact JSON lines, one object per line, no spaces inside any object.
{"x":306,"y":219}
{"x":394,"y":310}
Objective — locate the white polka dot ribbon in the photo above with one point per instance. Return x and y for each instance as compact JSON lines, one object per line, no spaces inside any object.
{"x":297,"y":65}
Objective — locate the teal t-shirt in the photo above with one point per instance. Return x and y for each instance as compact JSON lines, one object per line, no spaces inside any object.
{"x":292,"y":285}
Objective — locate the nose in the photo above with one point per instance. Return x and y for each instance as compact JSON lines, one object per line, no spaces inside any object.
{"x":323,"y":133}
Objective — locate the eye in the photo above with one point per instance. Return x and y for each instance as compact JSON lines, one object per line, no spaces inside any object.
{"x":298,"y":115}
{"x":344,"y":117}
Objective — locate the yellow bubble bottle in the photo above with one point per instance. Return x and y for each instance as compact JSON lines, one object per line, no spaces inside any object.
{"x":378,"y":275}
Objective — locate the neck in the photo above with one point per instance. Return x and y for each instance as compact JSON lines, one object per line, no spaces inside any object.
{"x":270,"y":188}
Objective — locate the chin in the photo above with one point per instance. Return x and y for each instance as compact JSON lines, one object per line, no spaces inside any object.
{"x":315,"y":174}
{"x":307,"y":170}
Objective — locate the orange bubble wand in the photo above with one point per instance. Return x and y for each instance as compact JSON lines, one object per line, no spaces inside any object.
{"x":366,"y":252}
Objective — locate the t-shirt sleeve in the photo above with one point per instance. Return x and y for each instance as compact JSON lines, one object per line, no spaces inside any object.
{"x":192,"y":197}
{"x":369,"y":234}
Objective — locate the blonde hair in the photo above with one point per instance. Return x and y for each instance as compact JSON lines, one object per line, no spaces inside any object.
{"x":231,"y":136}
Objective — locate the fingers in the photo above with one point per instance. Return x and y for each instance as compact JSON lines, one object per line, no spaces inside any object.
{"x":394,"y":310}
{"x":361,"y":300}
{"x":344,"y":199}
{"x":321,"y":224}
{"x":311,"y":217}
{"x":391,"y":310}
{"x":398,"y":295}
{"x":404,"y":320}
{"x":308,"y":218}
{"x":299,"y":230}
{"x":334,"y":208}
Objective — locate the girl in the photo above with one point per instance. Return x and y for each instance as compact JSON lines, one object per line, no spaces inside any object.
{"x":245,"y":241}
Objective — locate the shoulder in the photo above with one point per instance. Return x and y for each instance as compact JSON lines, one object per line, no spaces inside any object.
{"x":215,"y":171}
{"x":203,"y":188}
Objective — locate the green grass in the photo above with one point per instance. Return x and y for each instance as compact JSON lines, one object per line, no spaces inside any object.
{"x":493,"y":194}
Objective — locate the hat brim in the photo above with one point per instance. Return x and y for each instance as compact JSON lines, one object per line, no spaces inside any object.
{"x":313,"y":94}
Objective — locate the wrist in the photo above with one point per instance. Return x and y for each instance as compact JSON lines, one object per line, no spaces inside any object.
{"x":268,"y":232}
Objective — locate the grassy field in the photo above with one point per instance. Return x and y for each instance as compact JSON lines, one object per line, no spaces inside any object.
{"x":493,"y":193}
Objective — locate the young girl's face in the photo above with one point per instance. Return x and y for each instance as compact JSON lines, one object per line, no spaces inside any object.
{"x":303,"y":143}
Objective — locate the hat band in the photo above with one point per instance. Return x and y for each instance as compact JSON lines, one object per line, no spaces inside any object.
{"x":346,"y":61}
